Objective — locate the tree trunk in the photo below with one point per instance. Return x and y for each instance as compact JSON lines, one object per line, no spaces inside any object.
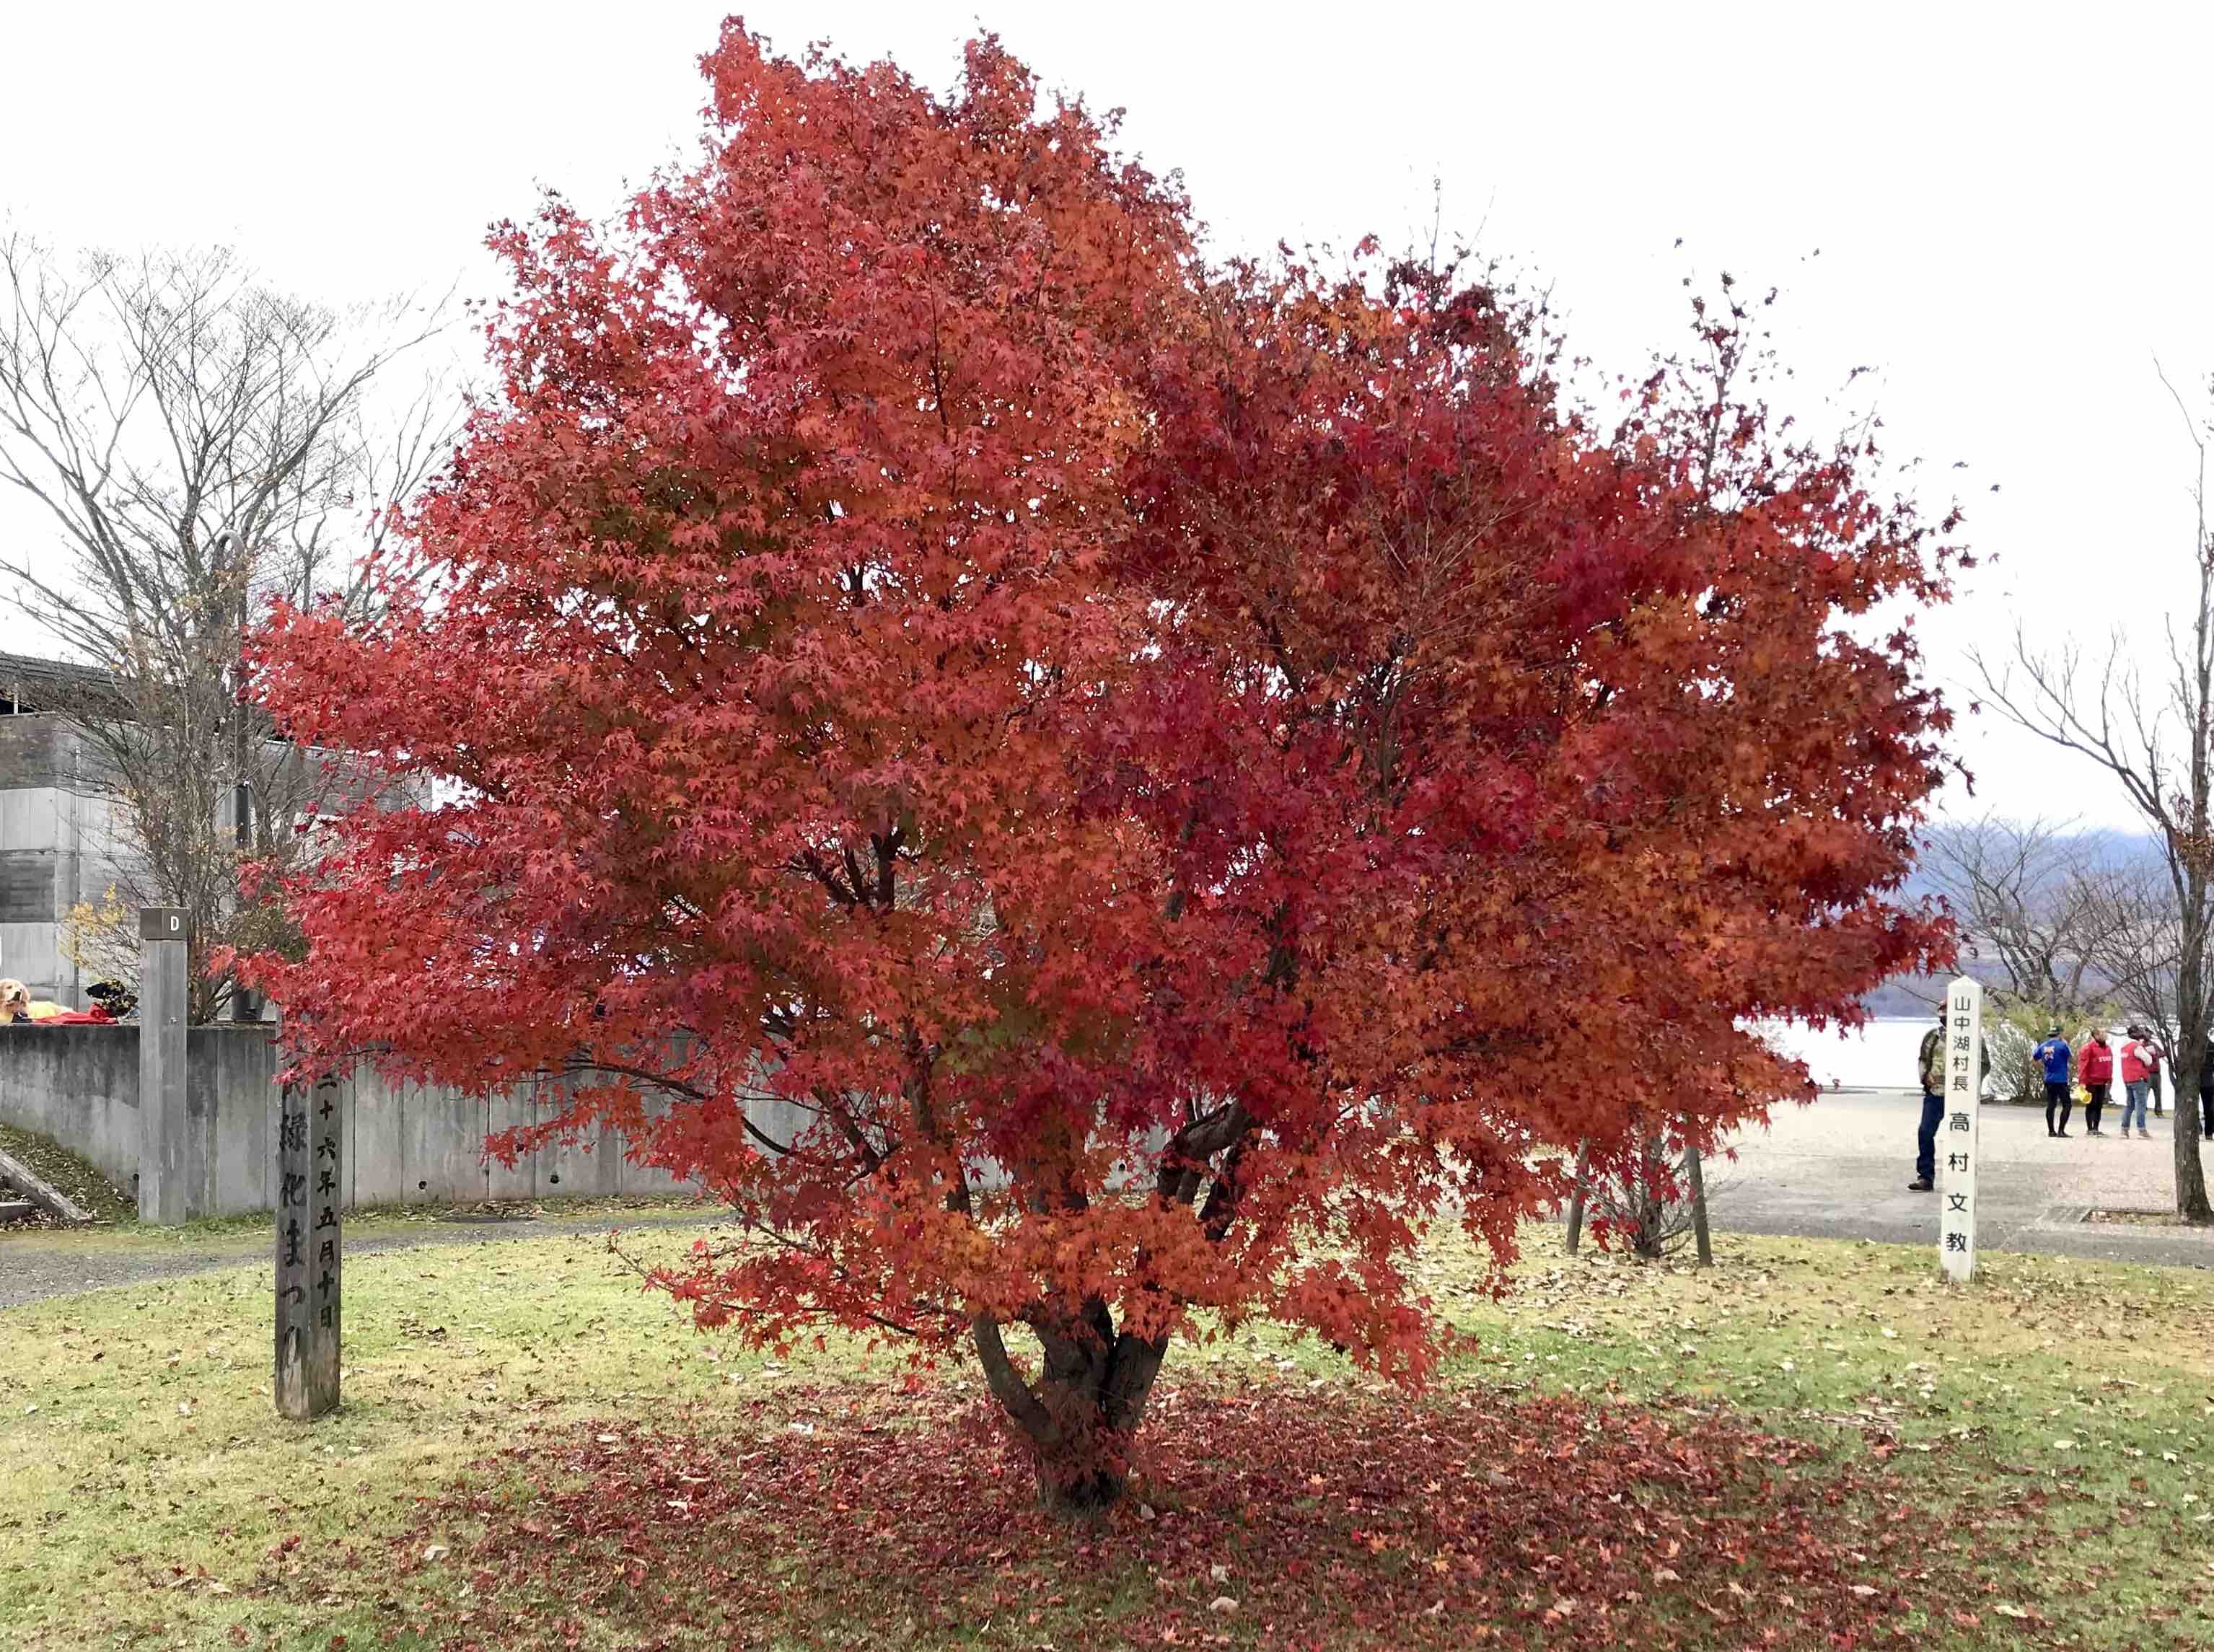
{"x":1651,"y":1240}
{"x":2191,"y":1200}
{"x":1577,"y":1198}
{"x":2191,"y":1006}
{"x":1697,"y":1178}
{"x":1081,"y":1413}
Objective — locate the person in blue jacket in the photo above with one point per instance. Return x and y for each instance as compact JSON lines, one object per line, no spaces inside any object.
{"x":2054,"y":1055}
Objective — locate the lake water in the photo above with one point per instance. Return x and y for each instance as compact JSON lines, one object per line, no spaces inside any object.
{"x":1879,"y":1056}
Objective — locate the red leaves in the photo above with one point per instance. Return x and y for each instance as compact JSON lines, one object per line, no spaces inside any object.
{"x":1328,"y":1519}
{"x":1075,"y":788}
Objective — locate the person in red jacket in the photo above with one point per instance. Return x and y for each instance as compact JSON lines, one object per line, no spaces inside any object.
{"x":2095,"y":1070}
{"x":2139,"y":1063}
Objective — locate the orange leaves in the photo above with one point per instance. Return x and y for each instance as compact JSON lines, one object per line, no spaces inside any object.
{"x":1073,"y":787}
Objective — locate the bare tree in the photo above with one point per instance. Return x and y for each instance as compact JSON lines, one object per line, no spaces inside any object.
{"x":2157,"y":739}
{"x":2141,"y":945}
{"x":2031,"y":897}
{"x":197,"y":441}
{"x":1653,"y":1201}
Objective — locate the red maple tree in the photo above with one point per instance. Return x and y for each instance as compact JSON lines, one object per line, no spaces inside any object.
{"x":1087,"y":794}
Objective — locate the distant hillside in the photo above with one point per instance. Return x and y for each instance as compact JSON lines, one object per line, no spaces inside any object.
{"x":2103,"y":846}
{"x":1919,"y":994}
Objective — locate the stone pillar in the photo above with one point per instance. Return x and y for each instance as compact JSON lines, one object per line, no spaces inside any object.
{"x":166,"y":1186}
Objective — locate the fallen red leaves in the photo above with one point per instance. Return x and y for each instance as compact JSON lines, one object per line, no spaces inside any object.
{"x":1303,"y":1519}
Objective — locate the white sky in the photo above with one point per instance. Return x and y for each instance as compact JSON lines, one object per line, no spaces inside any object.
{"x":2012,"y":203}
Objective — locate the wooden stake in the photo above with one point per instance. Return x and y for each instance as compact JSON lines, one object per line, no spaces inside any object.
{"x":1577,"y":1198}
{"x":308,"y":1272}
{"x":1696,"y":1177}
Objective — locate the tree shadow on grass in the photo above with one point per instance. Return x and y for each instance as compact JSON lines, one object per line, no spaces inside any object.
{"x":1264,"y":1517}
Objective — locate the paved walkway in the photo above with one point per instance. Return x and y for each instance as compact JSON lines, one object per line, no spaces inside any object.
{"x":1839,"y":1169}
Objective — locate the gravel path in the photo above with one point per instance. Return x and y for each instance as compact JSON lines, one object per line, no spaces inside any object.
{"x":34,"y":1268}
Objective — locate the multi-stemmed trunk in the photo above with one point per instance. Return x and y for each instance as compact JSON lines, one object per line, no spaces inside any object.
{"x":1083,"y":1411}
{"x":1080,"y":1414}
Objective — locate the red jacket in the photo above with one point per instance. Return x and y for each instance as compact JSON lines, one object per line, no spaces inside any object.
{"x":2094,"y":1063}
{"x":2136,"y":1061}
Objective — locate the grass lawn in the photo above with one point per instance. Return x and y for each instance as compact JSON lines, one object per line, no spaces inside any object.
{"x":1811,"y":1444}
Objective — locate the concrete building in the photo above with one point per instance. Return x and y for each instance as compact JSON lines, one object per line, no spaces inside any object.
{"x":59,"y":842}
{"x":64,"y":838}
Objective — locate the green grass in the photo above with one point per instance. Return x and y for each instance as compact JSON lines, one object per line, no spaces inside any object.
{"x":2089,"y":1386}
{"x":2060,"y":1408}
{"x":148,"y":1476}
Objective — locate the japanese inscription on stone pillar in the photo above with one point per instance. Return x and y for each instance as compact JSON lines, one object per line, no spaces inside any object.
{"x":1957,"y":1151}
{"x":308,"y":1261}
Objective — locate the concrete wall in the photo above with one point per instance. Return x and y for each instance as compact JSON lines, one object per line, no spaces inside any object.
{"x":79,"y":1085}
{"x":403,"y":1143}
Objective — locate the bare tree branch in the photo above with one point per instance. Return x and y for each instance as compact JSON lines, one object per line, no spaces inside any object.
{"x":198,"y":443}
{"x":2029,"y":896}
{"x":2155,"y":743}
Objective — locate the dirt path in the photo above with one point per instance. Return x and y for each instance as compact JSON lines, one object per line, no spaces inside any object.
{"x":33,"y":1268}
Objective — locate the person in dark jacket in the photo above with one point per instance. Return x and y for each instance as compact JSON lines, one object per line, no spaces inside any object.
{"x":2095,"y":1066}
{"x":1931,"y":1067}
{"x":2054,"y":1056}
{"x":2205,"y":1091}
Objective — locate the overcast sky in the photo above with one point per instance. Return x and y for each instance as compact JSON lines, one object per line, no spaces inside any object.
{"x":2012,"y":206}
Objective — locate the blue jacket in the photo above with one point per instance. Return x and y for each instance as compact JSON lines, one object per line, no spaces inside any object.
{"x":2055,"y":1054}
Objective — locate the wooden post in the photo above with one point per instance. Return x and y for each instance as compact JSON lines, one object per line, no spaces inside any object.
{"x":166,"y":1189}
{"x":1577,"y":1198}
{"x":1696,"y":1177}
{"x":1957,"y":1131}
{"x":310,"y":1275}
